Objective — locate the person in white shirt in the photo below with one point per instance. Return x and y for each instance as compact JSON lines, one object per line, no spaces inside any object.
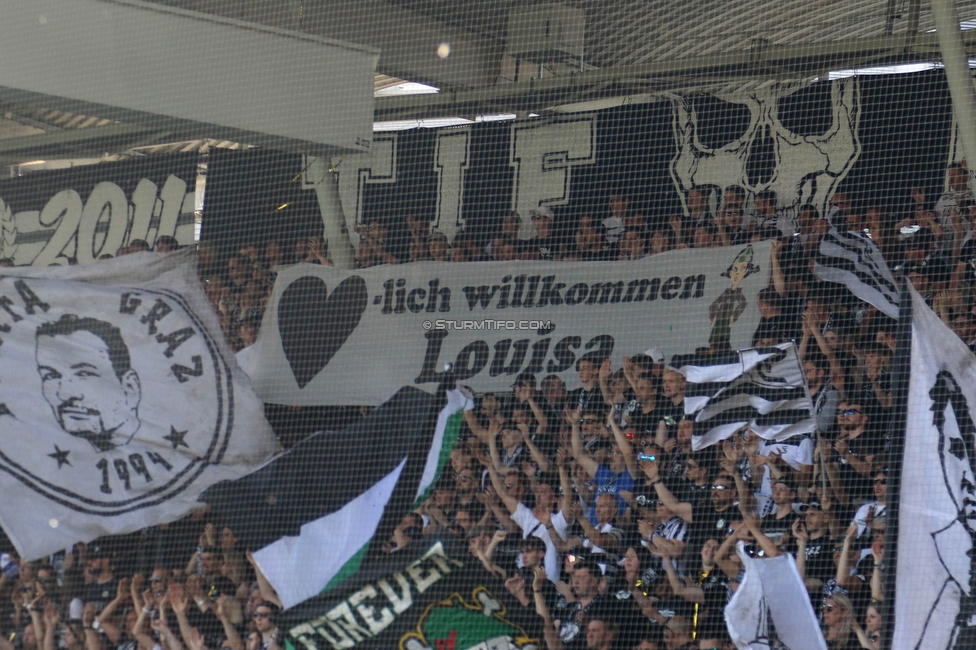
{"x":613,"y":225}
{"x":540,"y":521}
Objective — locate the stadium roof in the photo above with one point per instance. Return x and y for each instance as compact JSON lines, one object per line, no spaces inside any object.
{"x":480,"y":59}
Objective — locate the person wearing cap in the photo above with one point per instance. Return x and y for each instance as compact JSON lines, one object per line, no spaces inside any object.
{"x":814,"y":554}
{"x":778,"y":515}
{"x":438,"y":246}
{"x":613,"y":225}
{"x":545,"y":243}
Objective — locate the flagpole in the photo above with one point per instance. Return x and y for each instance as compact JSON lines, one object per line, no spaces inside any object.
{"x":897,"y":430}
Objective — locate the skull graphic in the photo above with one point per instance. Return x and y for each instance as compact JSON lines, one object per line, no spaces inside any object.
{"x":768,"y":156}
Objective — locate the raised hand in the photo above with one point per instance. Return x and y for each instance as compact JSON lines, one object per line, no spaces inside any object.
{"x":196,"y":640}
{"x":628,"y":367}
{"x":88,"y":614}
{"x":177,"y":598}
{"x":515,"y":585}
{"x":494,"y":427}
{"x":800,"y":532}
{"x":209,"y":536}
{"x":222,"y":607}
{"x":605,"y":369}
{"x":51,"y":616}
{"x":562,"y":455}
{"x":122,"y":592}
{"x":651,"y":469}
{"x":539,"y":577}
{"x":573,"y":415}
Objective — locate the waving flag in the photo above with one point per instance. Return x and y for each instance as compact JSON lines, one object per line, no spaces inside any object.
{"x":771,"y":608}
{"x":763,"y":388}
{"x":853,"y":260}
{"x":119,"y":400}
{"x":313,"y":512}
{"x":937,"y":505}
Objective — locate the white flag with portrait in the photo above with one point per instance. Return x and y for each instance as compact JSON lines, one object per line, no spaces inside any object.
{"x":937,"y":504}
{"x":119,"y":400}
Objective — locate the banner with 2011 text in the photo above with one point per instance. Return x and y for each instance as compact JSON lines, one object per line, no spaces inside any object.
{"x":335,"y":337}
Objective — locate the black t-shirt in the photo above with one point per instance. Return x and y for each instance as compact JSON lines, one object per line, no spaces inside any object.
{"x":820,"y":558}
{"x":869,"y":443}
{"x":715,"y":588}
{"x":579,"y":397}
{"x":101,"y":594}
{"x":673,"y":472}
{"x":775,"y":528}
{"x":574,"y":619}
{"x":547,"y":248}
{"x":671,"y":413}
{"x":708,"y":523}
{"x":645,"y":422}
{"x":782,"y":327}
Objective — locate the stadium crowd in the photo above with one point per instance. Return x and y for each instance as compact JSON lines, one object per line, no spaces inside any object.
{"x":589,"y":503}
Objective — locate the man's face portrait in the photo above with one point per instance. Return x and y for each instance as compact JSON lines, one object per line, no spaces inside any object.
{"x":88,"y":398}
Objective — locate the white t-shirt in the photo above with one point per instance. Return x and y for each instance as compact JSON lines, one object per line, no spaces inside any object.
{"x":796,"y":451}
{"x":530,"y":525}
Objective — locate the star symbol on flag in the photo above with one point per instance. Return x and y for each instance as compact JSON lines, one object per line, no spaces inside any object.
{"x":61,"y":456}
{"x":176,"y":437}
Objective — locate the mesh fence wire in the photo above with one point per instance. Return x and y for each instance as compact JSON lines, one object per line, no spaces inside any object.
{"x":679,"y":302}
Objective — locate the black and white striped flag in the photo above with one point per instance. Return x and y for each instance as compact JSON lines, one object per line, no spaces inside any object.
{"x":853,"y":260}
{"x":762,"y":388}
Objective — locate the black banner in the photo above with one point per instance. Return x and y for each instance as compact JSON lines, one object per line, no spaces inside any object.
{"x":80,"y":213}
{"x":432,"y":595}
{"x":872,"y":137}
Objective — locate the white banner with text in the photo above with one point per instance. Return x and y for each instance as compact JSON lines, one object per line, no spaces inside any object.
{"x":332,"y":337}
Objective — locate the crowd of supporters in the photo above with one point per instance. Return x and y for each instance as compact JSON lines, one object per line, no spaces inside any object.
{"x":590,"y":504}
